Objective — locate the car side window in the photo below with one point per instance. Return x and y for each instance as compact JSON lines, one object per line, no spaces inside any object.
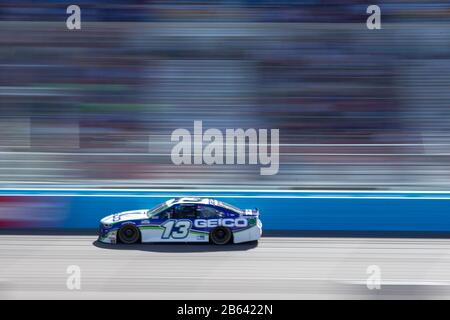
{"x":206,"y":212}
{"x":166,"y":214}
{"x":185,"y":211}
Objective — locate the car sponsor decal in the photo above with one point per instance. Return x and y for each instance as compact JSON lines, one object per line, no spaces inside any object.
{"x":225,"y":222}
{"x":198,"y":228}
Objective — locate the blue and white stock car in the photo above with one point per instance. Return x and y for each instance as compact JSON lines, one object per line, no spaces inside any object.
{"x":183,"y":220}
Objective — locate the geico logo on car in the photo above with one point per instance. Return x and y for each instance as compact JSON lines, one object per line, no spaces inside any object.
{"x":210,"y":223}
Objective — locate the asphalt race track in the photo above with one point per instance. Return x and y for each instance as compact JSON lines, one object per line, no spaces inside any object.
{"x":35,"y":266}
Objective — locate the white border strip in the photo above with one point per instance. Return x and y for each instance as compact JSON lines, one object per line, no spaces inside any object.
{"x":222,"y":196}
{"x":225,"y":190}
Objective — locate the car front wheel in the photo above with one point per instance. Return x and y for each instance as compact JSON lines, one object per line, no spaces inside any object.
{"x":129,"y":234}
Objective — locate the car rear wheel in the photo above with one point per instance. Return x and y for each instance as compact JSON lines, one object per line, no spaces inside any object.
{"x":129,"y":234}
{"x":221,"y":235}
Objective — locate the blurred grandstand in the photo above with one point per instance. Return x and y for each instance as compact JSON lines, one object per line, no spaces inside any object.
{"x":356,"y":108}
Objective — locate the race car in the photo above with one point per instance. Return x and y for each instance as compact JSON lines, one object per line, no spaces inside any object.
{"x":183,"y":220}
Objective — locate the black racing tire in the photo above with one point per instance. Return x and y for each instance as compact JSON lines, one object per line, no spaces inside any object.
{"x":221,"y":235}
{"x":129,"y":234}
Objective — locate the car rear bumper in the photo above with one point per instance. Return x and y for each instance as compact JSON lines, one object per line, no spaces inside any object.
{"x":249,"y":234}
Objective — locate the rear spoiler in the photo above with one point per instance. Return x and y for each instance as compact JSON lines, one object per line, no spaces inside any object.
{"x":251,"y":212}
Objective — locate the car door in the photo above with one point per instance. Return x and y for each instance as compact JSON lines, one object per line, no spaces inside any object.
{"x":208,"y":218}
{"x":175,"y":225}
{"x":151,"y":230}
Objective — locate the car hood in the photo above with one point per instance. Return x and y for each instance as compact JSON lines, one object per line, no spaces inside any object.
{"x":126,"y":216}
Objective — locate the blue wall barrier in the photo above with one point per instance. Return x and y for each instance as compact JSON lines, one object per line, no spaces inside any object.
{"x":280,"y":210}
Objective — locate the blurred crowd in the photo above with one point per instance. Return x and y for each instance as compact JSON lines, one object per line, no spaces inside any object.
{"x":356,"y":108}
{"x":225,"y":10}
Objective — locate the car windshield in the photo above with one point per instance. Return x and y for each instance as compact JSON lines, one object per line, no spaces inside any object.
{"x":157,"y":209}
{"x":229,"y":207}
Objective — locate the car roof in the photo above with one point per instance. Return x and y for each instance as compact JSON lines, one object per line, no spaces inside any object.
{"x":193,"y":200}
{"x":200,"y":200}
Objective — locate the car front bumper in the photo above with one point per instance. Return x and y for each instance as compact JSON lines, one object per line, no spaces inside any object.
{"x":107,"y":235}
